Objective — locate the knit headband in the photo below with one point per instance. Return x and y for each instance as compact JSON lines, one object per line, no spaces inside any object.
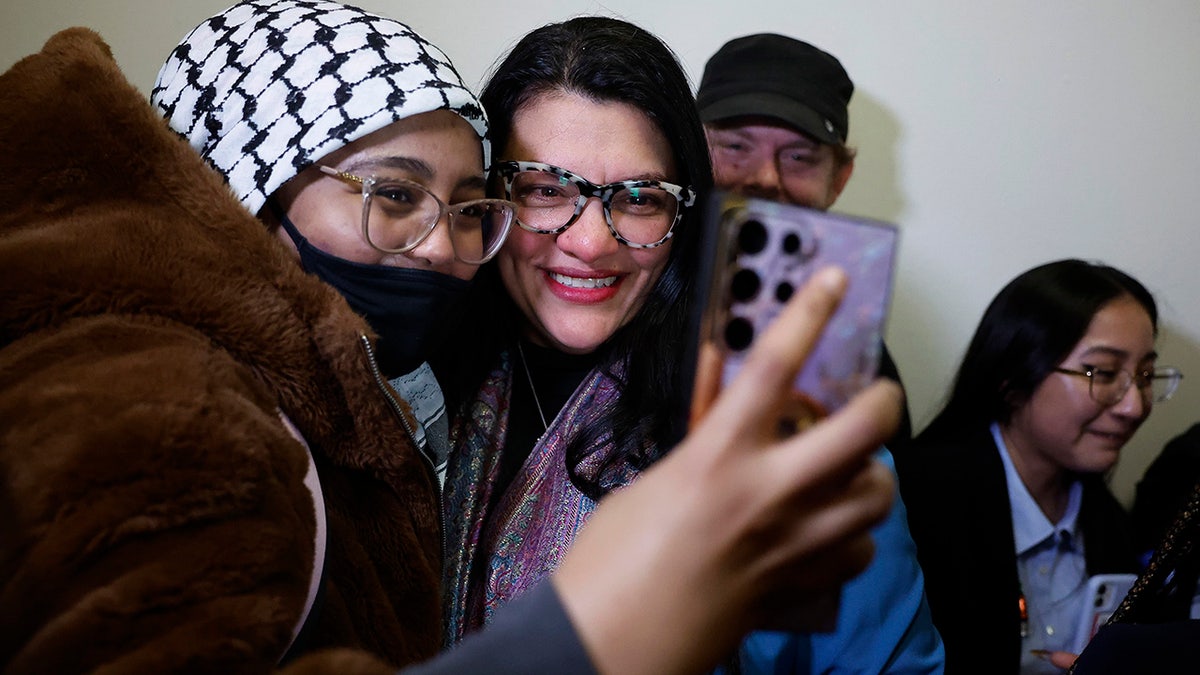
{"x":267,"y":87}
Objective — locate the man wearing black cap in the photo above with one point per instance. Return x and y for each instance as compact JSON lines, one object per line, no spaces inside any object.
{"x":775,"y":110}
{"x":776,"y":113}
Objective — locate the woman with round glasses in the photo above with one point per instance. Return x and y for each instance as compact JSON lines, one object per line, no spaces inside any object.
{"x":213,"y":469}
{"x":386,"y":205}
{"x":1006,"y":487}
{"x":354,"y":140}
{"x":568,"y":384}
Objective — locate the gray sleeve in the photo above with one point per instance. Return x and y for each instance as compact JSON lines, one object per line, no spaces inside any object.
{"x":531,"y":634}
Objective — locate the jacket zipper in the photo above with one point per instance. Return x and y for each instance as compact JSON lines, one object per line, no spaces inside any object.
{"x":389,"y":395}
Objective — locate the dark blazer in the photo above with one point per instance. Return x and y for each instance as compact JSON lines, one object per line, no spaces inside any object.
{"x":958,"y":512}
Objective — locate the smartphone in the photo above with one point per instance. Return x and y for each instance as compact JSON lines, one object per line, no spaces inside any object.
{"x":1103,"y":595}
{"x":755,"y":254}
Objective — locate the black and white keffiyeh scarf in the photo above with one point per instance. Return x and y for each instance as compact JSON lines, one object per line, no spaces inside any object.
{"x":267,"y":87}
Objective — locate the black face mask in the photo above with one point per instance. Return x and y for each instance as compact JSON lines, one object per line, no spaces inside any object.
{"x":402,"y":305}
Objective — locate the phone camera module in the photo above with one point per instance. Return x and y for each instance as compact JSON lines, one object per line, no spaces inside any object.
{"x":752,"y":237}
{"x":791,"y":243}
{"x":744,"y":285}
{"x":739,"y":333}
{"x":783,"y":292}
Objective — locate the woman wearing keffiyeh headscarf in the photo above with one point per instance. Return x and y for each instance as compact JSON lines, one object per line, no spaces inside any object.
{"x":209,"y":351}
{"x":311,"y":110}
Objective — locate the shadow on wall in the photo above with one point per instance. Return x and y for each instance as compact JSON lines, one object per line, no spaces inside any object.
{"x":874,"y":189}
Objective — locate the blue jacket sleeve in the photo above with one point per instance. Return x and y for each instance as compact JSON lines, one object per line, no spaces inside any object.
{"x":884,"y":624}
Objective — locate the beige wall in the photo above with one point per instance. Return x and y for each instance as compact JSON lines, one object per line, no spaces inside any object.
{"x":997,"y":134}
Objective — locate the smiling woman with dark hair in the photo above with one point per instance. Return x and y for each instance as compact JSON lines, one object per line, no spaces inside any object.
{"x":1005,"y":488}
{"x":599,"y":143}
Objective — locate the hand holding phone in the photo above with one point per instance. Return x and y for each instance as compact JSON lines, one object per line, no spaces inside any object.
{"x":1103,"y":595}
{"x":756,"y":254}
{"x":762,"y":527}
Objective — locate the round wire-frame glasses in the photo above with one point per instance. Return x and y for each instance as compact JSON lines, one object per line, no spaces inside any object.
{"x":398,"y":215}
{"x":647,"y":211}
{"x":1108,"y":387}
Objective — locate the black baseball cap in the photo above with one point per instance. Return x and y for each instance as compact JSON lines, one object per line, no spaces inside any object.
{"x":777,"y":76}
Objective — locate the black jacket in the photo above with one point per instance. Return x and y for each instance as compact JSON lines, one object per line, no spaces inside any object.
{"x":959,"y":515}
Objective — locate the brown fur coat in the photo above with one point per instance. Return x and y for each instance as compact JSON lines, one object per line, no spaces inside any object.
{"x":152,"y":511}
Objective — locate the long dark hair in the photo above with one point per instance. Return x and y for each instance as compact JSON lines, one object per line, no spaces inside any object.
{"x":606,"y":59}
{"x":1028,"y":329}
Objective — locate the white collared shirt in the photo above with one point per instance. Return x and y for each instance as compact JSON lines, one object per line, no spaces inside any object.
{"x":1050,"y":565}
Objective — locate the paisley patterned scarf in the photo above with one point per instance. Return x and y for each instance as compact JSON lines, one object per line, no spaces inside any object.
{"x":499,"y":548}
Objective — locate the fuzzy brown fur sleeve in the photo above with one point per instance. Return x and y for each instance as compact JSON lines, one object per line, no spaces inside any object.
{"x":155,"y":514}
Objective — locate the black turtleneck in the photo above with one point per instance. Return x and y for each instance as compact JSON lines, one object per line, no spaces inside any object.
{"x":556,"y":376}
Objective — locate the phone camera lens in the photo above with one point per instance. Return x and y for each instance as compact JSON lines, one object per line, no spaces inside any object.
{"x":784,"y":291}
{"x":752,"y":238}
{"x":739,"y":333}
{"x":791,"y":243}
{"x":744,"y":285}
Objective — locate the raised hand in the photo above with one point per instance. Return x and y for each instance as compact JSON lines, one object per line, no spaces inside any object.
{"x":736,"y":525}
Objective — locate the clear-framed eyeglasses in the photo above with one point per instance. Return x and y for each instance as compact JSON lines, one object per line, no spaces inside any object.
{"x":399,"y":214}
{"x":1108,"y":387}
{"x":549,"y":199}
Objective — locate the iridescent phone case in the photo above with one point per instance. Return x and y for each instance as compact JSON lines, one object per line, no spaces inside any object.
{"x":757,"y":253}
